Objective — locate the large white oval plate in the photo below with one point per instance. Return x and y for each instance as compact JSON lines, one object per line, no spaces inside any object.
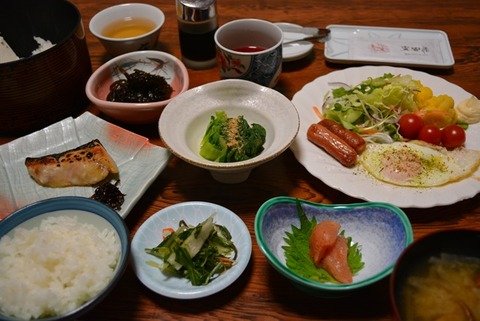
{"x":357,"y":183}
{"x":150,"y":235}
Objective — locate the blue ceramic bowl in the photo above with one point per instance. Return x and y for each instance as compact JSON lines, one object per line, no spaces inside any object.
{"x":382,"y":231}
{"x":87,"y":211}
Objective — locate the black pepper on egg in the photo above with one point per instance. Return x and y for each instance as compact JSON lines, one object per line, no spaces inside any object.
{"x":140,"y":87}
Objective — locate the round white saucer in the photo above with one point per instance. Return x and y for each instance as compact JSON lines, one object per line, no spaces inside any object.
{"x":296,"y":50}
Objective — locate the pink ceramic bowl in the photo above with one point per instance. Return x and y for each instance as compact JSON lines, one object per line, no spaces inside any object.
{"x":151,"y":61}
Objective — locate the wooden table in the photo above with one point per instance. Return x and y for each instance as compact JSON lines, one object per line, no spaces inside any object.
{"x":261,"y":293}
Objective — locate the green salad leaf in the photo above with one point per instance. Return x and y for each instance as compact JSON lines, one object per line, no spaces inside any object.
{"x":373,"y":107}
{"x":297,"y":248}
{"x":199,"y":253}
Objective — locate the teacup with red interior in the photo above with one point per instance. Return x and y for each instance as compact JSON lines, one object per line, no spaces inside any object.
{"x":250,"y":49}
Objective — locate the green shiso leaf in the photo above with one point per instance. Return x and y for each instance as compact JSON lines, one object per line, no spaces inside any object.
{"x":354,"y":257}
{"x":297,"y":248}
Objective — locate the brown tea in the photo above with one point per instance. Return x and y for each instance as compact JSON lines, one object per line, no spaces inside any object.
{"x":128,"y":28}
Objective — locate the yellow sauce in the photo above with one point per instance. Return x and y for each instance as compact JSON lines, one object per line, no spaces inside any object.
{"x":128,"y":28}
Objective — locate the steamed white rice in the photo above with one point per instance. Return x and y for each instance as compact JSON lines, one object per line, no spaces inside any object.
{"x":7,"y":54}
{"x":54,"y":268}
{"x":42,"y":45}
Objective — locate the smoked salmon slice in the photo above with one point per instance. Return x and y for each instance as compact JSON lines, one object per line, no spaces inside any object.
{"x":329,"y":251}
{"x":323,"y":238}
{"x":335,"y":261}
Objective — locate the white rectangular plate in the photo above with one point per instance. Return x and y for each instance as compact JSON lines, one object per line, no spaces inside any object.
{"x":139,"y":161}
{"x":396,"y":46}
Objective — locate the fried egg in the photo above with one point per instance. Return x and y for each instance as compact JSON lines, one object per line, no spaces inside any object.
{"x":417,"y":164}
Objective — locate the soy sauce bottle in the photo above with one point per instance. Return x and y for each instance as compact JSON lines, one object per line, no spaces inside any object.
{"x":197,"y":23}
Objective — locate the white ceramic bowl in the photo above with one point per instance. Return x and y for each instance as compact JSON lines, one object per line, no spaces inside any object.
{"x":151,"y":61}
{"x":127,"y":11}
{"x":87,"y":211}
{"x":184,"y":121}
{"x":150,"y":233}
{"x":381,"y":230}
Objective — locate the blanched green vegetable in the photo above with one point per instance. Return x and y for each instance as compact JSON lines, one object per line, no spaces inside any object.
{"x":231,"y":139}
{"x":198,"y":253}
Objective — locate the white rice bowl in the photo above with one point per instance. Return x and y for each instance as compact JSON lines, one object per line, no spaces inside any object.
{"x":50,"y":274}
{"x":59,"y":258}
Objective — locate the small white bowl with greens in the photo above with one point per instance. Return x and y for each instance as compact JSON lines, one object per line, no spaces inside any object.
{"x":191,"y":127}
{"x":170,"y":243}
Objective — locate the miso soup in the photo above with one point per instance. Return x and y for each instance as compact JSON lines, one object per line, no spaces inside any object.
{"x":445,"y":288}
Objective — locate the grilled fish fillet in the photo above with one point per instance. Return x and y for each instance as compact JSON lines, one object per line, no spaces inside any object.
{"x":85,"y":165}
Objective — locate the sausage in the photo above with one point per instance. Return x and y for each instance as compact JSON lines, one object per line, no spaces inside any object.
{"x":350,"y":137}
{"x":332,"y":144}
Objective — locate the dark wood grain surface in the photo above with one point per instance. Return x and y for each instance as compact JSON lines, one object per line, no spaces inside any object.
{"x":261,"y":293}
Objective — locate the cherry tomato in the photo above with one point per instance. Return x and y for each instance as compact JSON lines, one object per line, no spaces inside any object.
{"x":410,"y":125}
{"x":430,"y":134}
{"x":453,"y":136}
